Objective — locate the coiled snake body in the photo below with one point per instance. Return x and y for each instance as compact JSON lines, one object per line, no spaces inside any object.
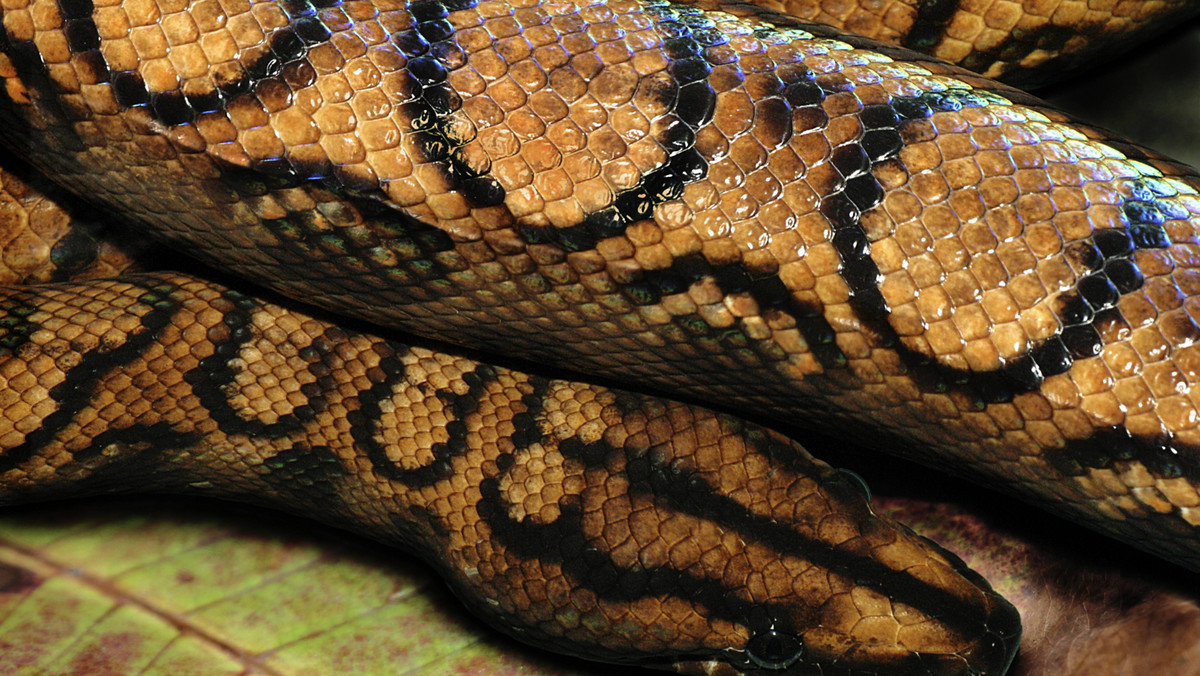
{"x":714,"y":200}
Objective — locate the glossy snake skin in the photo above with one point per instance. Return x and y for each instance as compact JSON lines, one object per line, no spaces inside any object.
{"x":1020,"y":41}
{"x":709,"y":199}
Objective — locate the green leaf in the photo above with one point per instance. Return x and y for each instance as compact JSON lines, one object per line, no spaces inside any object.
{"x":179,"y":587}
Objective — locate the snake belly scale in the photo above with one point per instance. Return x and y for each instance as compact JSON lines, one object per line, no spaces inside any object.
{"x":715,"y":200}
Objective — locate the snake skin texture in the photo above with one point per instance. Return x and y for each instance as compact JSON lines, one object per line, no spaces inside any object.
{"x":607,"y":524}
{"x":1026,"y":42}
{"x":41,"y":241}
{"x":714,"y":200}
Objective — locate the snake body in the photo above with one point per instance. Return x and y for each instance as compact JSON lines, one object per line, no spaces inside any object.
{"x":1025,"y":42}
{"x":713,"y":200}
{"x":605,"y":524}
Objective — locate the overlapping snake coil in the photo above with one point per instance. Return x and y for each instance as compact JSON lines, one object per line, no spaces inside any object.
{"x":713,"y":200}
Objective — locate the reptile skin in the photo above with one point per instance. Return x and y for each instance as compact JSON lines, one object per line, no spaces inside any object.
{"x":1029,"y":42}
{"x":604,"y":524}
{"x":41,"y":241}
{"x":714,"y":200}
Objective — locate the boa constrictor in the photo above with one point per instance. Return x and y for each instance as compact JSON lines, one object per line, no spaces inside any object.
{"x":714,"y":200}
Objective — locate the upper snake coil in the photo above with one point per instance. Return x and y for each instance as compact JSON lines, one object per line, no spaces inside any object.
{"x":715,"y":200}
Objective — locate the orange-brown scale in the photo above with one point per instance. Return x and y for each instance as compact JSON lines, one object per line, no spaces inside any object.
{"x":609,"y":524}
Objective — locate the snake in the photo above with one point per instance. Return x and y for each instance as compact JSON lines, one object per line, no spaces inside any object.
{"x":621,"y":241}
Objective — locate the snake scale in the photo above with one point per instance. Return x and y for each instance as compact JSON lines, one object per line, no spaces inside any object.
{"x":718,"y":201}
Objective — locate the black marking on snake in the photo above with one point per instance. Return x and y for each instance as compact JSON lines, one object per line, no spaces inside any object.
{"x":1163,"y":457}
{"x":391,"y":245}
{"x":563,"y":542}
{"x":765,"y":287}
{"x":654,"y":474}
{"x":142,"y":455}
{"x":364,"y":422}
{"x":15,"y":325}
{"x":285,"y":49}
{"x":83,"y":39}
{"x":687,"y":32}
{"x":311,"y":472}
{"x":432,"y":53}
{"x":1049,"y":38}
{"x":78,"y":26}
{"x":930,"y":23}
{"x":1093,"y":299}
{"x":767,"y":290}
{"x":526,"y":429}
{"x":75,"y":252}
{"x":32,"y":72}
{"x":661,"y":185}
{"x":145,"y":441}
{"x":287,"y":45}
{"x":76,"y":390}
{"x":213,"y":380}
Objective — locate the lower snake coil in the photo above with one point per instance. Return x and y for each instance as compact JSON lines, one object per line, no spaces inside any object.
{"x":714,"y":201}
